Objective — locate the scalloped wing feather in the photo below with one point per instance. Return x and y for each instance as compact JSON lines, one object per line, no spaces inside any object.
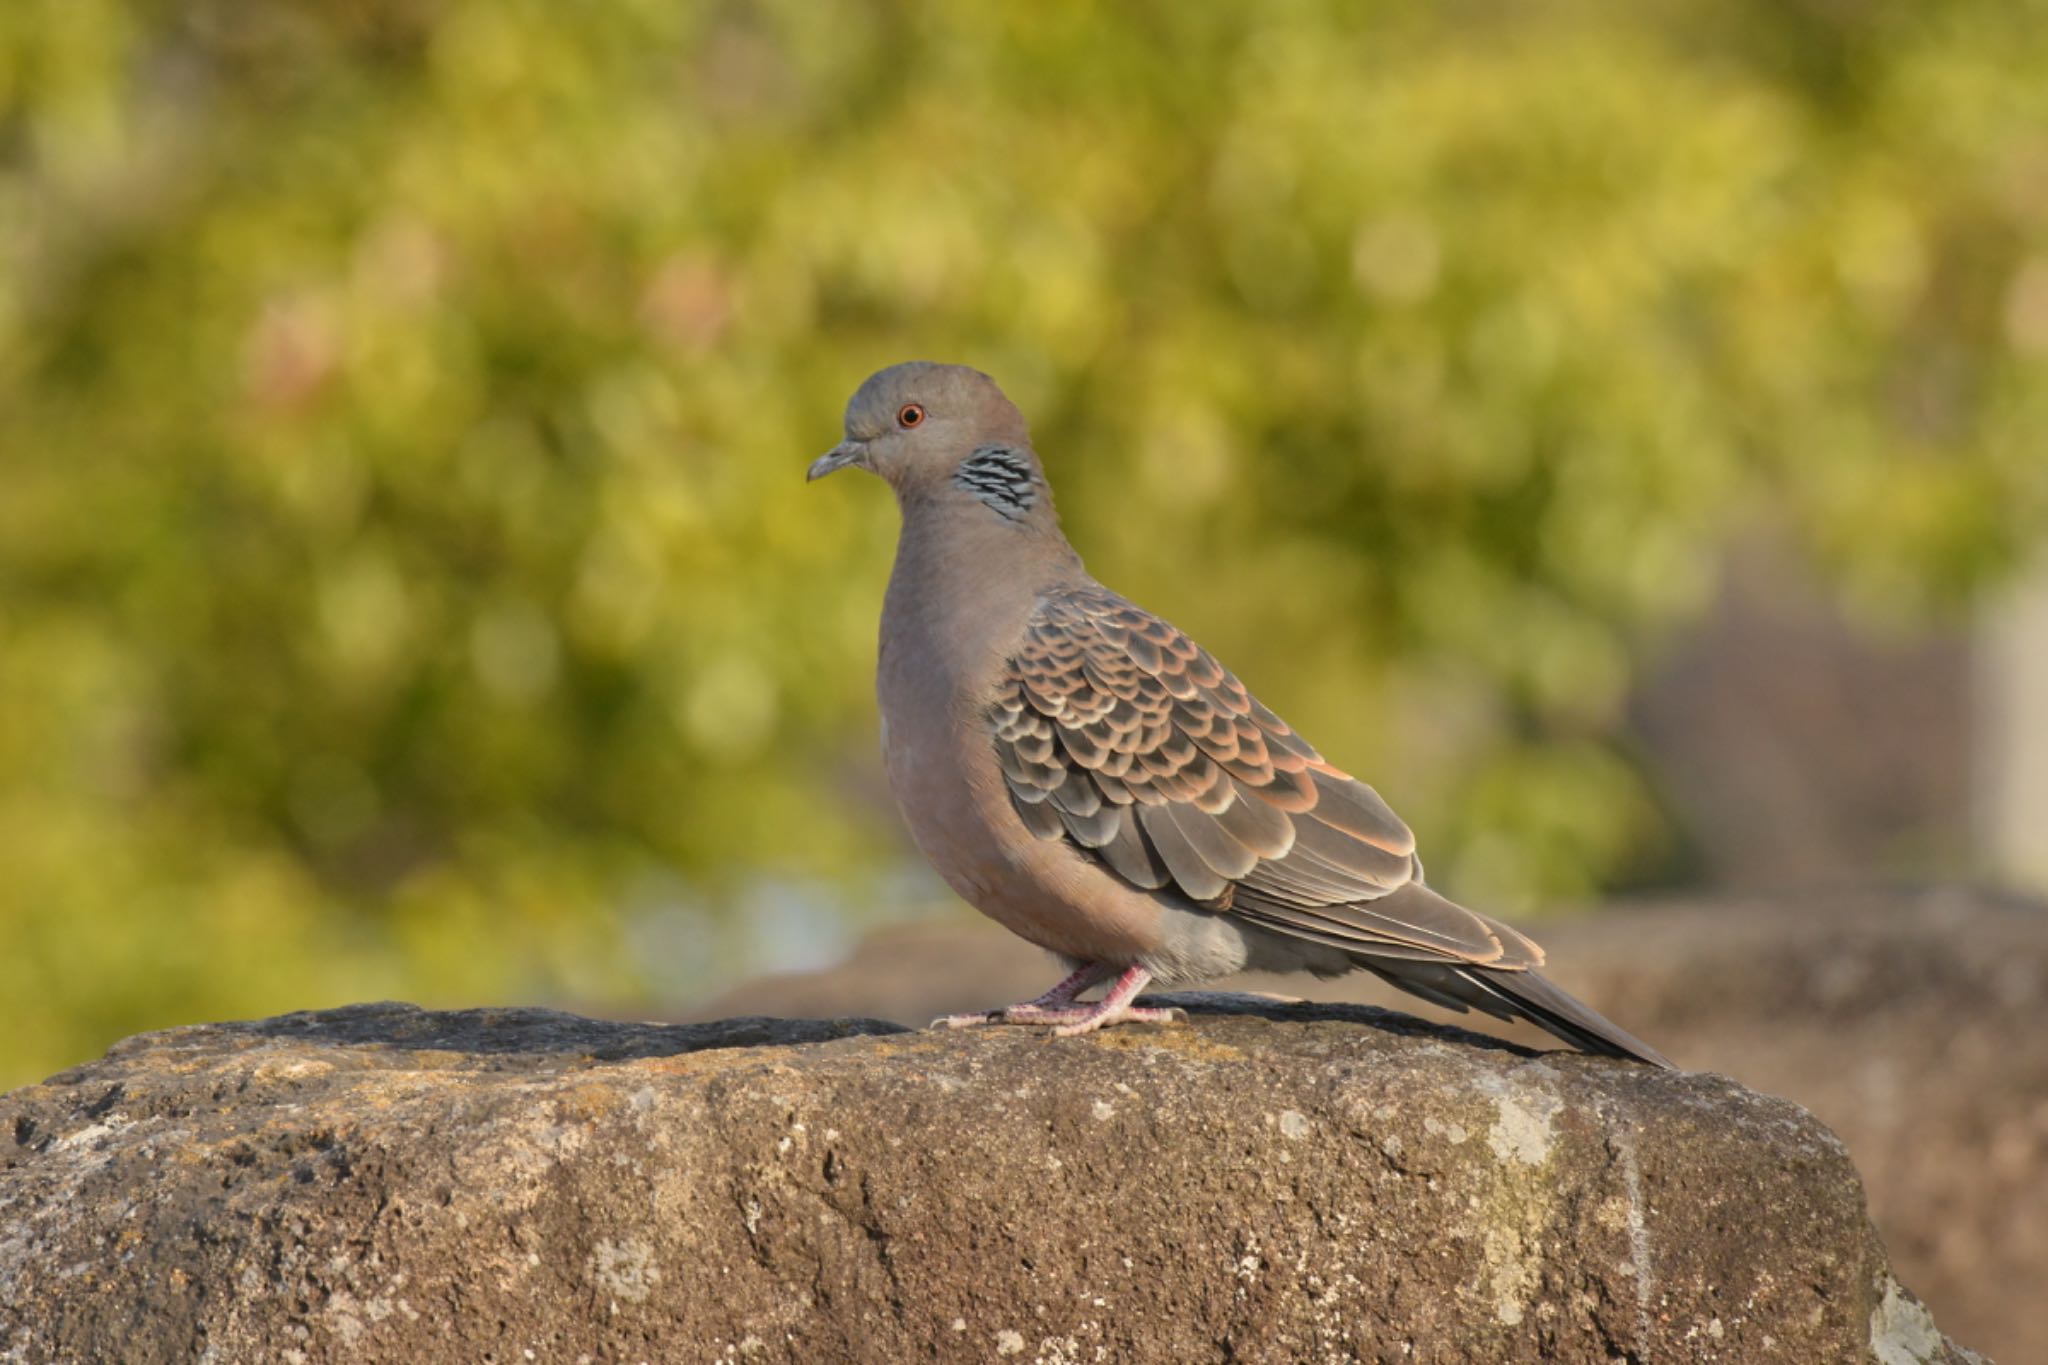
{"x":1121,"y":736}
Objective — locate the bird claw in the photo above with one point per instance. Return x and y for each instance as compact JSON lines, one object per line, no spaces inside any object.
{"x":1058,"y":1007}
{"x":1127,"y":1014}
{"x":1030,"y":1012}
{"x":974,"y":1020}
{"x":1070,"y":1021}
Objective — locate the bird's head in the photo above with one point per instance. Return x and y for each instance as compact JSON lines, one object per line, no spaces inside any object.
{"x":941,"y":433}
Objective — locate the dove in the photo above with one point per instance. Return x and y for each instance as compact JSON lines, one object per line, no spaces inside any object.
{"x":1089,"y":777}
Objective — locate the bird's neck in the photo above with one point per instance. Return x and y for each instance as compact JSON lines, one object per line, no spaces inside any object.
{"x":963,"y":585}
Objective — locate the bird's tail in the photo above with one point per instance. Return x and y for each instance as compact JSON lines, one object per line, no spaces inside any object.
{"x":1531,"y":995}
{"x":1518,"y":994}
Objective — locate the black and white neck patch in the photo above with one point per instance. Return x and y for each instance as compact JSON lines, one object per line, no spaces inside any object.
{"x":1003,"y":478}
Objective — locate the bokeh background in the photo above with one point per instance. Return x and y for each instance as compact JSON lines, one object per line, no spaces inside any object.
{"x":1569,"y":415}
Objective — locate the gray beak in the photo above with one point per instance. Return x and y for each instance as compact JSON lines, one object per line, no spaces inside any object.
{"x":848,"y":452}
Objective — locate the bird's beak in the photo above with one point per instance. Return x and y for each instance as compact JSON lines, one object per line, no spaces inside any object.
{"x":847,"y":452}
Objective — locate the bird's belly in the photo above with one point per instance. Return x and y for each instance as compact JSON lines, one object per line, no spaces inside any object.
{"x":952,"y":801}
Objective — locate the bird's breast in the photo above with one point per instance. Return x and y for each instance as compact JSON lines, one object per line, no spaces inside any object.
{"x":930,"y":763}
{"x":939,"y":755}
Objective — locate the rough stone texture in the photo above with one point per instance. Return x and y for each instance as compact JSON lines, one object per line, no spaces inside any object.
{"x":1911,"y":1023}
{"x":1909,"y":1020}
{"x":1273,"y":1184}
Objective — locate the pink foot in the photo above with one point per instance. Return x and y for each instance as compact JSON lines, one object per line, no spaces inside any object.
{"x":1115,"y":1007}
{"x":1055,"y":1006}
{"x":1058,"y":1006}
{"x":1127,"y":1014}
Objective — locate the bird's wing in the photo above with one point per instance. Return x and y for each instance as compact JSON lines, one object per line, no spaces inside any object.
{"x":1120,"y":736}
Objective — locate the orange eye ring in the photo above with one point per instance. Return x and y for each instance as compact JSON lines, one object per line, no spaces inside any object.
{"x":909,"y":415}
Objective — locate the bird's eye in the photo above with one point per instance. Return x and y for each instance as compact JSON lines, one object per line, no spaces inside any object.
{"x":909,"y":415}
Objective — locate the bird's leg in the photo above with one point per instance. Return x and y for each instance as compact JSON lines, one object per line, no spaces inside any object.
{"x":1115,"y":1007}
{"x":1055,"y":1006}
{"x":1058,"y":1003}
{"x":1058,"y":1006}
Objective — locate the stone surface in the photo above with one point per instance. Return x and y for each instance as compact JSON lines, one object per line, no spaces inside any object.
{"x":1907,"y":1019}
{"x":1271,"y":1183}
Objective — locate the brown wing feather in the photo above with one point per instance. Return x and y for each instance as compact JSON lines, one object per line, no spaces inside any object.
{"x":1121,"y":736}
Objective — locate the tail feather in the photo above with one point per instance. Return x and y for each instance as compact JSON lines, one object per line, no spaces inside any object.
{"x":1493,"y":971}
{"x":1510,"y":995}
{"x":1531,"y":995}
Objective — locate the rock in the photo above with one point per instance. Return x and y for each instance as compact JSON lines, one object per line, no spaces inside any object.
{"x":1906,"y":1018}
{"x":1264,"y":1183}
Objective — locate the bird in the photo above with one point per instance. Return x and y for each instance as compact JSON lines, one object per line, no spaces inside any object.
{"x":1089,"y":777}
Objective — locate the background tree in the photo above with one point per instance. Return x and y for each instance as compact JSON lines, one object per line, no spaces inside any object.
{"x":406,"y":580}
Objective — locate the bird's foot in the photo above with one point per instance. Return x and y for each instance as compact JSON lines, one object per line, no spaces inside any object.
{"x":1054,"y":1007}
{"x":1097,"y":1017}
{"x":1030,"y":1012}
{"x":1069,"y":1018}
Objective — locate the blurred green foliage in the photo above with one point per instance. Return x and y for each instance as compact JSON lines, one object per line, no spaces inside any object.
{"x":407,"y":584}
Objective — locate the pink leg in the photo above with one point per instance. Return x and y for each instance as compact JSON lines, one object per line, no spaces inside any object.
{"x":1057,"y":1006}
{"x":1053,"y":1007}
{"x":1116,"y":1007}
